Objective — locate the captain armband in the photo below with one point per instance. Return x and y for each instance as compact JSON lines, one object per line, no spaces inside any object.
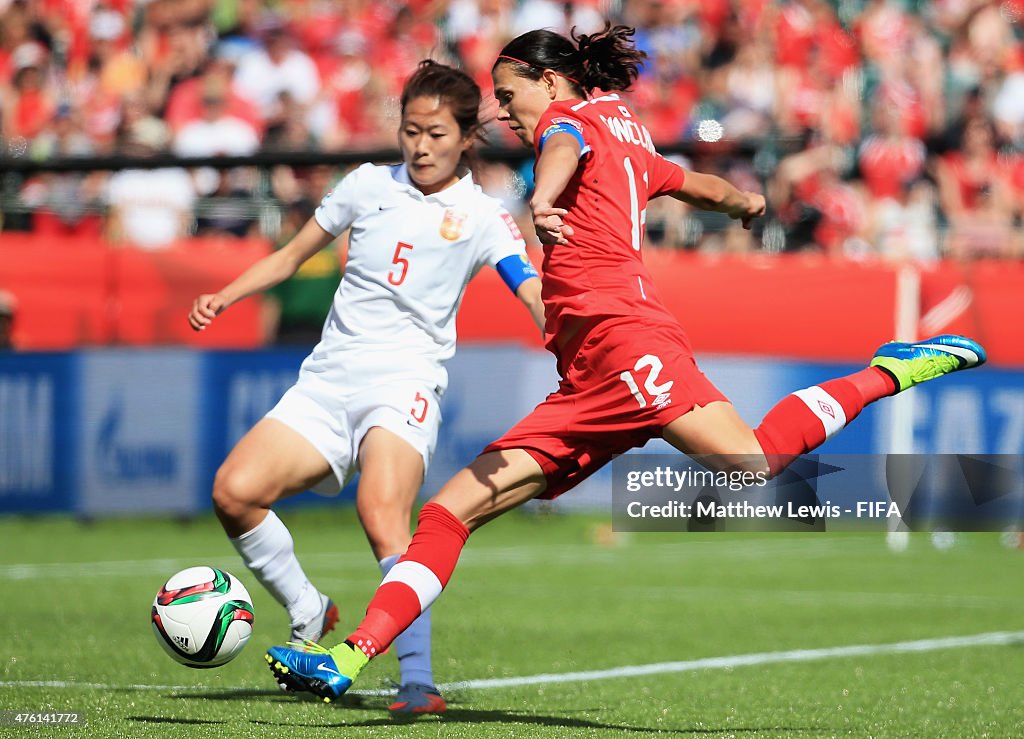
{"x":515,"y":270}
{"x":565,"y":125}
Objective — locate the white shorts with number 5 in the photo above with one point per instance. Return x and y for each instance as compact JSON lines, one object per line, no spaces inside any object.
{"x":335,"y":420}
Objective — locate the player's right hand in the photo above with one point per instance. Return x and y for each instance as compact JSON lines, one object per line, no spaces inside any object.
{"x":547,"y":222}
{"x":204,"y":309}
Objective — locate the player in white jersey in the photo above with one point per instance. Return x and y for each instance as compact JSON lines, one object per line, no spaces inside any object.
{"x":367,"y":397}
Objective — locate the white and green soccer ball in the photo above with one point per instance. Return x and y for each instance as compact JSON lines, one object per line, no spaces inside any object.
{"x":202,"y":617}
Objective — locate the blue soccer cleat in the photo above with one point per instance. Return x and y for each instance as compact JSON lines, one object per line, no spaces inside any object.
{"x":414,"y":699}
{"x":911,"y":364}
{"x":309,"y":667}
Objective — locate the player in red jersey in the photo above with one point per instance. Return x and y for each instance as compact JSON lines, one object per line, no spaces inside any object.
{"x":627,"y":370}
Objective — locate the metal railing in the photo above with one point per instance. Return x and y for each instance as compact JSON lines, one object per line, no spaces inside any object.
{"x":258,"y":204}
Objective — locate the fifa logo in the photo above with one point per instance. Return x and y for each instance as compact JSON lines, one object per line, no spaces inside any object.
{"x":451,"y":226}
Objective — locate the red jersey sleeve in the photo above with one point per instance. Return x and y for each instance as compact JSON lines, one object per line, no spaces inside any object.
{"x":665,"y":177}
{"x":559,"y":117}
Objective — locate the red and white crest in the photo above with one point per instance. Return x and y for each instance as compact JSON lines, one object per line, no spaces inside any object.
{"x":452,"y":224}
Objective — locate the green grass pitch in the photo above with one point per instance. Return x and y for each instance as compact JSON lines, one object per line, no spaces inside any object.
{"x":539,"y":594}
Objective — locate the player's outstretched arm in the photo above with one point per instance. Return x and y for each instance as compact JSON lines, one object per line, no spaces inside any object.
{"x":708,"y":192}
{"x":529,"y":293}
{"x":267,"y":272}
{"x":555,"y":167}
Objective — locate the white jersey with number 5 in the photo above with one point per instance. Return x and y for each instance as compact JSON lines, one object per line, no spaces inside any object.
{"x":409,"y":261}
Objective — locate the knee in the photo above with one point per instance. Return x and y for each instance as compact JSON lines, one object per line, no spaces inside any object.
{"x":236,"y":492}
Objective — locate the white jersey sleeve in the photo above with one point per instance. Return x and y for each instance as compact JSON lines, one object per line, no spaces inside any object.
{"x":340,"y":207}
{"x":500,"y":237}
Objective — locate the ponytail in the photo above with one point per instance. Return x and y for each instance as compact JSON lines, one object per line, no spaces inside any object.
{"x":609,"y":59}
{"x":606,"y":60}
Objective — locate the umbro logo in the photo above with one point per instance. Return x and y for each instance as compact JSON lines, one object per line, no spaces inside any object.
{"x":826,"y":409}
{"x":663,"y":400}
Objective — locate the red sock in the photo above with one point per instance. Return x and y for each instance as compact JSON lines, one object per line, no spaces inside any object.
{"x":803,"y":420}
{"x":414,"y":582}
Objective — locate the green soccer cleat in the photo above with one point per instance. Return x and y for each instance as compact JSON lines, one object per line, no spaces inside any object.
{"x":912,"y":364}
{"x":309,"y":667}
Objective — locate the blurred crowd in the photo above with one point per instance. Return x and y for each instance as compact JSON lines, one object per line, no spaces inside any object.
{"x":877,"y":128}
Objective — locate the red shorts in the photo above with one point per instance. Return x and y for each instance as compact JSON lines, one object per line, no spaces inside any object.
{"x":626,"y":381}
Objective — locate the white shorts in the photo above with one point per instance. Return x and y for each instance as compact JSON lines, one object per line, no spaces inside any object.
{"x":335,"y":420}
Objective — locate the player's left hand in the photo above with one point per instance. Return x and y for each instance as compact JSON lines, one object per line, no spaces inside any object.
{"x":753,"y":208}
{"x":547,"y":222}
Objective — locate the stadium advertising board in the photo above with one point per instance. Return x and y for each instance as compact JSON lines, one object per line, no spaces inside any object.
{"x":105,"y":432}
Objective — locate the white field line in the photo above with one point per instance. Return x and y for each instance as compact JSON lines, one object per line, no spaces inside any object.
{"x":994,"y":638}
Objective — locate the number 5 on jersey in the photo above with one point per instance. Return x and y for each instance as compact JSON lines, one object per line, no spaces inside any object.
{"x":419,"y":408}
{"x":399,"y":261}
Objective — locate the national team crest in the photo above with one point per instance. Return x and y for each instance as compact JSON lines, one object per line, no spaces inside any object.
{"x":453,"y":223}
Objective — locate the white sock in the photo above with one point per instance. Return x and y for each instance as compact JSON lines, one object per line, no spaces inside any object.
{"x":269,"y":553}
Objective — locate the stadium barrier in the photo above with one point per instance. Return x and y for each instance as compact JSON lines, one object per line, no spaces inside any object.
{"x":803,"y":306}
{"x":103,"y":432}
{"x":85,"y":292}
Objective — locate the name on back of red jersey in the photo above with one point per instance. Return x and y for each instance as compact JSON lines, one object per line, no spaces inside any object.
{"x":629,"y":131}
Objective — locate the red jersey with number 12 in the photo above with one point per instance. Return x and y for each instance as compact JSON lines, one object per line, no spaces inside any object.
{"x":600,"y":271}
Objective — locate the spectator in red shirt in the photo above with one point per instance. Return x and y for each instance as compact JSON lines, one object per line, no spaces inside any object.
{"x":28,"y":104}
{"x":890,"y":158}
{"x":185,"y":103}
{"x":973,"y":193}
{"x":969,"y":173}
{"x":794,"y":33}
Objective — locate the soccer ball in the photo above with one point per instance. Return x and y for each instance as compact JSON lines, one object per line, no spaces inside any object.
{"x":202,"y":617}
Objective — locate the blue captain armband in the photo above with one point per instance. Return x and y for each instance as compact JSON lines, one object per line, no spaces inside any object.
{"x":564,"y":126}
{"x":515,"y":270}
